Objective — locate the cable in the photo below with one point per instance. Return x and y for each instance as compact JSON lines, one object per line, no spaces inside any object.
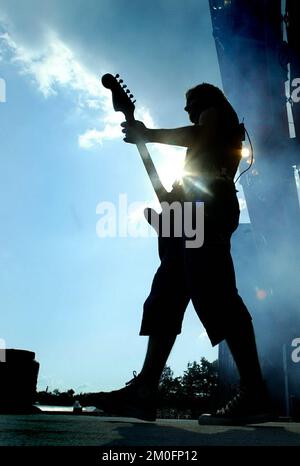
{"x":251,"y":159}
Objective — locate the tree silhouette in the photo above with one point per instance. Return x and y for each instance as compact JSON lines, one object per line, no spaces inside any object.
{"x":193,"y":393}
{"x":200,"y":380}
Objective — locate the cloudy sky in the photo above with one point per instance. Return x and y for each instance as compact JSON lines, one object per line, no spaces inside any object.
{"x":67,"y":294}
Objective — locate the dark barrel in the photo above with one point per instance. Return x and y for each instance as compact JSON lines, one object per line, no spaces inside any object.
{"x":18,"y":381}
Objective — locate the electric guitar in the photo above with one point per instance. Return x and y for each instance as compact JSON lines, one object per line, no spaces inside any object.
{"x":122,"y":102}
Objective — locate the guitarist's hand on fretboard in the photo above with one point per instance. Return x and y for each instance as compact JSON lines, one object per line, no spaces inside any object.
{"x":135,"y":131}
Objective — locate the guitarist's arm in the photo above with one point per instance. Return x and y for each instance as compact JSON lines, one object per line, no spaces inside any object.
{"x":186,"y":136}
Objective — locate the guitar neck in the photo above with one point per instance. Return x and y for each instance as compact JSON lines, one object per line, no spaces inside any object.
{"x":122,"y":101}
{"x":158,"y":187}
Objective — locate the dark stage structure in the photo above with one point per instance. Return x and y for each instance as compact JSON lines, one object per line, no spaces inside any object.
{"x":258,"y":49}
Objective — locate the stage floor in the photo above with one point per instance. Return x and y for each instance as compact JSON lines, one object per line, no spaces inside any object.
{"x":86,"y":430}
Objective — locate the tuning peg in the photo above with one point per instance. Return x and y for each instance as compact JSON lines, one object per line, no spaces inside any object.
{"x":117,"y":76}
{"x":127,"y":91}
{"x":131,"y":95}
{"x":134,"y":101}
{"x":124,"y":86}
{"x":120,"y":81}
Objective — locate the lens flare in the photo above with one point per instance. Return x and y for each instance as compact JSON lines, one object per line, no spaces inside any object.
{"x":261,"y":294}
{"x":245,"y":152}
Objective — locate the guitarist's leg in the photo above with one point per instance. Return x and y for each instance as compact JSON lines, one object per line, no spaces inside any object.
{"x":158,"y":351}
{"x":163,"y":312}
{"x":162,"y":319}
{"x":213,"y":291}
{"x":225,"y":316}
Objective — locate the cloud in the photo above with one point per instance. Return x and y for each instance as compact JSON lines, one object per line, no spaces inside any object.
{"x":92,"y":137}
{"x":54,"y":68}
{"x":112,"y":129}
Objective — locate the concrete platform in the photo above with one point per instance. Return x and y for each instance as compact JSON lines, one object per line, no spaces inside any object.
{"x":85,"y":430}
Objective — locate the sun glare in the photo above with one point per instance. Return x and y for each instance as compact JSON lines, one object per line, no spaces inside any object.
{"x":171,"y":165}
{"x":245,"y":152}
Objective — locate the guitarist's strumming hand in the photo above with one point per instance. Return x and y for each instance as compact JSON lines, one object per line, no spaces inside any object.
{"x":135,"y":131}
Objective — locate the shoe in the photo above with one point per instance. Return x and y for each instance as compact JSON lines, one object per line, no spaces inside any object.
{"x":247,"y":407}
{"x":134,"y":400}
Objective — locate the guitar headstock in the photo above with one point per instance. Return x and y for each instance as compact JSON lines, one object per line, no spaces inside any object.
{"x":121,"y":95}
